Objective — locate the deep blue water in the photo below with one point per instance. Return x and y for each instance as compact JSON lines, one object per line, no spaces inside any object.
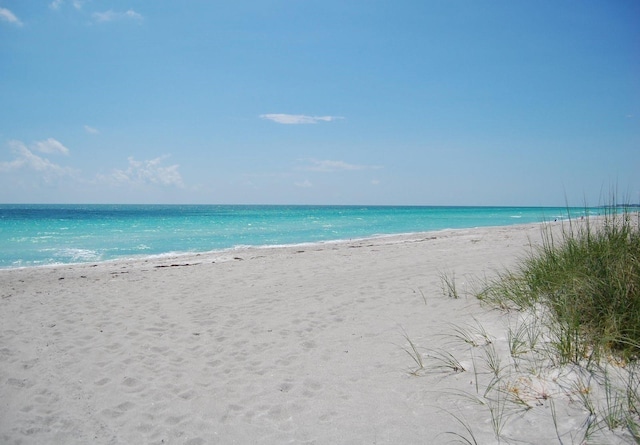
{"x":35,"y":235}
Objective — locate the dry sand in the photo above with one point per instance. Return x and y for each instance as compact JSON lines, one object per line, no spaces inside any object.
{"x":302,"y":344}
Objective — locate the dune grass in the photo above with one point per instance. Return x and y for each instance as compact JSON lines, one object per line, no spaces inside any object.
{"x":587,"y":275}
{"x":575,"y":300}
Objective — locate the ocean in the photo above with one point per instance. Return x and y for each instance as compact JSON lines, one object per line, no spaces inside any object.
{"x":39,"y":235}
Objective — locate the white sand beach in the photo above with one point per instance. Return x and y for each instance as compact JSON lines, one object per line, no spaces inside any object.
{"x":304,"y":344}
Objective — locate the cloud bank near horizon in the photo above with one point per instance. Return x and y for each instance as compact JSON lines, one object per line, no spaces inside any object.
{"x":51,"y":146}
{"x":26,"y":159}
{"x":150,"y":172}
{"x":146,"y":172}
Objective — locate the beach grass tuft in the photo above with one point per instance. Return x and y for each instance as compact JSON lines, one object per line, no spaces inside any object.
{"x":448,"y":282}
{"x":471,"y":335}
{"x":588,"y":277}
{"x":414,"y":353}
{"x":576,"y":301}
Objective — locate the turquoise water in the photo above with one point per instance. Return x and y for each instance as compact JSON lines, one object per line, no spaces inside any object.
{"x":36,"y":235}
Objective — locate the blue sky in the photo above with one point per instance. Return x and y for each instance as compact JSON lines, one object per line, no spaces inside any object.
{"x":319,"y":102}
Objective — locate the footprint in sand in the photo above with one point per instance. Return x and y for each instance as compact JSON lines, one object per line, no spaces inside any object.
{"x":118,"y":411}
{"x":173,"y":420}
{"x":133,"y":385}
{"x":102,"y":382}
{"x":19,"y":383}
{"x":311,"y":387}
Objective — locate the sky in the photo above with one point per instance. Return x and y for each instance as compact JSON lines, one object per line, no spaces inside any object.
{"x":367,"y":102}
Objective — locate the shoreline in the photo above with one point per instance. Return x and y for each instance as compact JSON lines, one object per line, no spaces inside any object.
{"x":292,"y":344}
{"x":178,"y":255}
{"x":81,"y":235}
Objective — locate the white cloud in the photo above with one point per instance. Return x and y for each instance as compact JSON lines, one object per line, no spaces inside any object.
{"x":8,"y":16}
{"x":137,"y":173}
{"x":91,"y":130}
{"x":304,"y":184}
{"x":51,"y":146}
{"x":110,"y":16}
{"x":146,"y":172}
{"x":55,"y":4}
{"x":293,"y":119}
{"x":332,"y":166}
{"x":26,"y":159}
